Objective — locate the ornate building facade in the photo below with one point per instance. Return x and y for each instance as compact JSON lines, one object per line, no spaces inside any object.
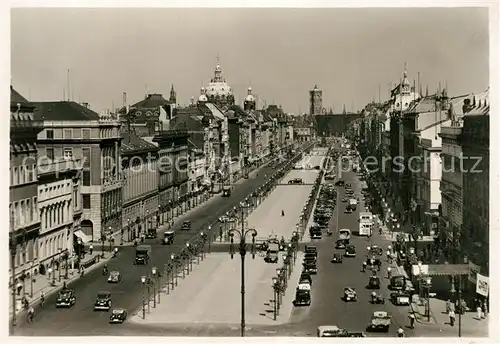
{"x":315,"y":101}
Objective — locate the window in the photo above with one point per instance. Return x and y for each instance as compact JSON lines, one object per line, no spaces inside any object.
{"x":50,"y":153}
{"x":35,"y":209}
{"x":68,"y":134}
{"x":75,"y":198}
{"x":86,"y":134}
{"x":86,"y":178}
{"x":86,"y":201}
{"x":29,"y":211}
{"x":50,"y":134}
{"x":68,"y":153}
{"x":30,"y":173}
{"x":21,"y":174}
{"x":86,"y":157}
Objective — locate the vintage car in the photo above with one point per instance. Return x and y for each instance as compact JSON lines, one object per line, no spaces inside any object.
{"x":118,"y":316}
{"x":341,"y":244}
{"x":311,"y":250}
{"x":397,"y":282}
{"x":373,"y":282}
{"x":400,"y":298}
{"x":296,"y":181}
{"x":381,"y":321}
{"x":168,"y":238}
{"x":376,"y":250}
{"x":350,"y":294}
{"x":337,"y":258}
{"x":186,"y":225}
{"x":374,"y":262}
{"x":66,"y":298}
{"x":103,"y":301}
{"x":114,"y":277}
{"x":348,"y":210}
{"x":305,"y":276}
{"x":331,"y":331}
{"x":350,"y":251}
{"x":310,"y":267}
{"x":344,"y":199}
{"x":340,"y":183}
{"x":302,"y":295}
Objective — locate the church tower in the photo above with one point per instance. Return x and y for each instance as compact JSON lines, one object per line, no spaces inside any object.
{"x":249,"y":103}
{"x":315,"y":101}
{"x":173,"y":96}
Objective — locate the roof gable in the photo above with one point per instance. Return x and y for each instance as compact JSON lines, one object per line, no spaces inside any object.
{"x":133,"y":143}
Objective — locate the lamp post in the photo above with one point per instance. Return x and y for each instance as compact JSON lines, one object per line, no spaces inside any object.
{"x":242,"y":233}
{"x":428,"y":284}
{"x":275,"y":297}
{"x":66,"y":257}
{"x":189,"y":258}
{"x":154,"y":271}
{"x":278,"y":273}
{"x":158,"y":216}
{"x":59,"y":266}
{"x":110,"y":238}
{"x":143,"y":281}
{"x":128,"y":230}
{"x":167,"y":268}
{"x":103,"y":239}
{"x":174,"y":276}
{"x":31,"y":278}
{"x":146,"y":222}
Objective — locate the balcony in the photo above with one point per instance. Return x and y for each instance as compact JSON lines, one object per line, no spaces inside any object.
{"x":59,"y":166}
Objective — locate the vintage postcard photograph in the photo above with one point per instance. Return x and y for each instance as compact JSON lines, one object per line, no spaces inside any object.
{"x":249,"y":172}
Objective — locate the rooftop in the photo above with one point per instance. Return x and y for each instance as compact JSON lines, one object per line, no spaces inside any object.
{"x":154,"y":100}
{"x":132,"y":143}
{"x":63,"y":111}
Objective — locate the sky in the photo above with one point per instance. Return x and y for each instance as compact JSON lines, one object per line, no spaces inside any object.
{"x":281,"y":53}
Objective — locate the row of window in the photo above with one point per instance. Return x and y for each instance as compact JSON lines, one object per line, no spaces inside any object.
{"x":56,"y":215}
{"x":71,"y":133}
{"x":23,"y":174}
{"x":23,"y":212}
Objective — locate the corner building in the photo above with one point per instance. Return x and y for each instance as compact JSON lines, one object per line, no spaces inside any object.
{"x":73,"y":131}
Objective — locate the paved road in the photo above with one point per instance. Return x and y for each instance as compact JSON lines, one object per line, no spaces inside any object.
{"x":82,"y":320}
{"x":327,"y":307}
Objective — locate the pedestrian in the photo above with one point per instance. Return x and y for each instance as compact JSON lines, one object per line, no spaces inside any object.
{"x":448,"y":305}
{"x":364,"y":266}
{"x":412,"y":320}
{"x":451,"y":314}
{"x":479,"y":311}
{"x":91,"y":249}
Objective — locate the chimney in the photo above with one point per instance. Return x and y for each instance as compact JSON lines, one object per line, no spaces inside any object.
{"x":85,"y":104}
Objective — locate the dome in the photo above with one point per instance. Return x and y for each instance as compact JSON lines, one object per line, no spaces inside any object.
{"x":218,"y":86}
{"x":202,"y":97}
{"x":250,"y":97}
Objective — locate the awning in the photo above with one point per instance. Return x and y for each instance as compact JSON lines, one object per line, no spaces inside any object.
{"x":82,"y":236}
{"x":441,"y":269}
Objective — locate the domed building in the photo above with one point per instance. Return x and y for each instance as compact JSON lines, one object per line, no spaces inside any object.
{"x":203,"y":97}
{"x":218,"y":91}
{"x":249,"y":102}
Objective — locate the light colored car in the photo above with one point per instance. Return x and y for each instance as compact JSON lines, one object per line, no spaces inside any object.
{"x":114,"y":277}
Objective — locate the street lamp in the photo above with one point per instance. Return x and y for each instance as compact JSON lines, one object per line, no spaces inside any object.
{"x":110,"y":238}
{"x":143,"y":281}
{"x":31,"y":278}
{"x":428,"y":284}
{"x":154,"y":271}
{"x":66,"y":257}
{"x":275,"y":297}
{"x":189,"y":257}
{"x":128,"y":230}
{"x":174,"y":276}
{"x":59,"y":266}
{"x":147,"y":221}
{"x":242,"y":233}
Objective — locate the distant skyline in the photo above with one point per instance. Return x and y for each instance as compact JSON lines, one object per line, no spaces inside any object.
{"x":280,"y":53}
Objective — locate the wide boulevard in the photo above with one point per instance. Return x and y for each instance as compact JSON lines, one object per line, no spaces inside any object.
{"x":82,"y":320}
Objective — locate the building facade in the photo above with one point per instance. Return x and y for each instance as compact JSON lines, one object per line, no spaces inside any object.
{"x":315,"y":101}
{"x":73,"y":131}
{"x":474,"y":140}
{"x":139,"y":162}
{"x":60,"y":207}
{"x":24,"y":221}
{"x":173,"y":172}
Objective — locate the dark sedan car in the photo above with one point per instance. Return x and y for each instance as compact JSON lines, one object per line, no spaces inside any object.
{"x":337,"y":258}
{"x":118,"y":316}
